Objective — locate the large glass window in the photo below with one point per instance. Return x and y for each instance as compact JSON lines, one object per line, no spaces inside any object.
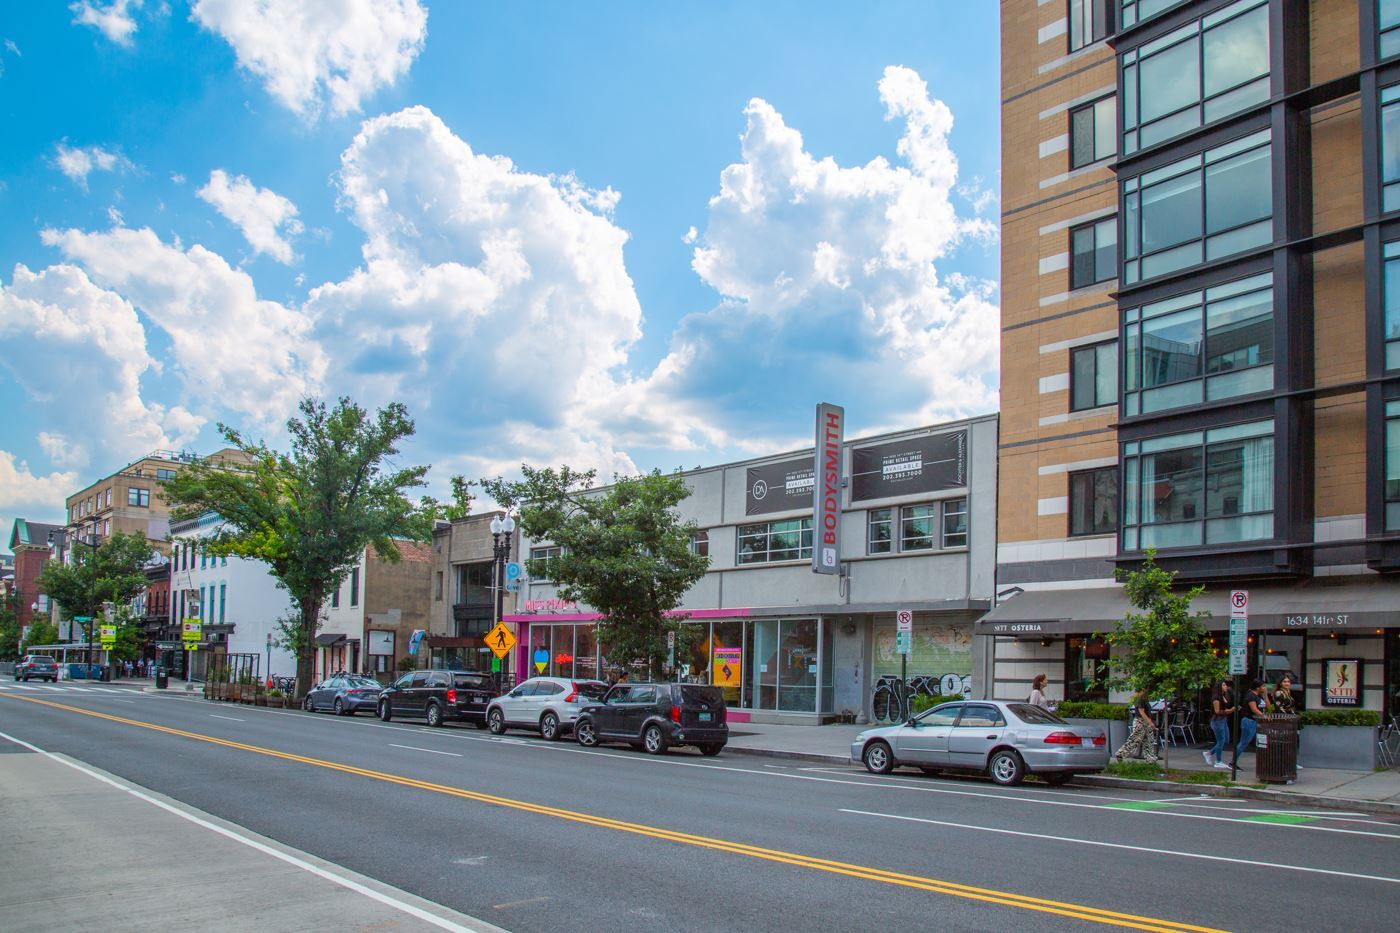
{"x":1392,"y":466}
{"x":1093,"y":376}
{"x":1212,"y":68}
{"x":1198,"y":209}
{"x":917,"y":527}
{"x":137,"y":496}
{"x":1093,"y":253}
{"x":699,"y":543}
{"x":1210,"y":487}
{"x":1091,"y":132}
{"x":774,"y":541}
{"x":1199,"y":347}
{"x":1135,"y":11}
{"x":1088,"y":22}
{"x":1093,"y":502}
{"x":539,"y":561}
{"x":880,"y":537}
{"x":1388,"y":25}
{"x":954,"y":523}
{"x":1390,"y":147}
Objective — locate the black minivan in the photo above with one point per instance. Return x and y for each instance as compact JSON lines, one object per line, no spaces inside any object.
{"x":655,"y":717}
{"x":438,"y":696}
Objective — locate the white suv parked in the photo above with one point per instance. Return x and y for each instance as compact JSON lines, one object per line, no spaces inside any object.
{"x":548,"y":705}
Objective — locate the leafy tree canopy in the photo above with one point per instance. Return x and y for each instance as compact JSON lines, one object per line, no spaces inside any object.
{"x":115,"y":572}
{"x":310,"y":513}
{"x":41,"y":632}
{"x":625,"y":552}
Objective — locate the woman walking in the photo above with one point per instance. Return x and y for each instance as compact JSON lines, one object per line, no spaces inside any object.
{"x":1037,"y":697}
{"x":1221,"y":709}
{"x":1142,"y":743}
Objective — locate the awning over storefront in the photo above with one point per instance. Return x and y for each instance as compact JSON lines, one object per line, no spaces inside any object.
{"x":1314,"y":604}
{"x":330,"y":639}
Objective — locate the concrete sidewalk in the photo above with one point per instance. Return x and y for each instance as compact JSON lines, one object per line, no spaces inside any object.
{"x":85,"y":850}
{"x":1372,"y":791}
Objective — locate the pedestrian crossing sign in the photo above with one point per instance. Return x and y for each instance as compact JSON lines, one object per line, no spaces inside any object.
{"x":500,"y":640}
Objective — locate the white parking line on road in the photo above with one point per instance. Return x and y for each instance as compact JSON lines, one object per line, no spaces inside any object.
{"x":349,"y":883}
{"x":229,"y":718}
{"x":430,"y":751}
{"x":1232,"y":859}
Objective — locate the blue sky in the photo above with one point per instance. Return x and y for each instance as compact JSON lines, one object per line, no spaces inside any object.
{"x":622,"y":235}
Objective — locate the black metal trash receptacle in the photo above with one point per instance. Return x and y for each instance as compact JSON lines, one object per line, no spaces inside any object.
{"x":162,"y":678}
{"x":106,"y":673}
{"x":1276,"y":758}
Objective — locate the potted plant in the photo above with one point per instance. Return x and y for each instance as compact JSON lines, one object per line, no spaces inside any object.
{"x":1338,"y":738}
{"x":274,"y":698}
{"x":1112,"y":718}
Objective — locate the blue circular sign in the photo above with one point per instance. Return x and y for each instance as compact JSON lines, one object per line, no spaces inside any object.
{"x":513,"y":570}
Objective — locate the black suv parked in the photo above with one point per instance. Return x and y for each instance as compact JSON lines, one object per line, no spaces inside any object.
{"x":36,"y":666}
{"x":656,"y":716}
{"x":438,"y":696}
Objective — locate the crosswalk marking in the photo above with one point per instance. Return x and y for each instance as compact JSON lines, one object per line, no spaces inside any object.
{"x":69,"y":688}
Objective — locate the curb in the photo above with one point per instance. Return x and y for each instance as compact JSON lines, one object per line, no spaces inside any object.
{"x":1374,"y":807}
{"x":792,"y":756}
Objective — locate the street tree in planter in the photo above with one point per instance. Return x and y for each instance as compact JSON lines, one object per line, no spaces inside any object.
{"x":115,"y":572}
{"x":1164,"y":648}
{"x":625,"y":552}
{"x":310,"y":513}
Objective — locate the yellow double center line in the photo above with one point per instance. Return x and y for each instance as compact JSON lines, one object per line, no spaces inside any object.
{"x":987,"y":895}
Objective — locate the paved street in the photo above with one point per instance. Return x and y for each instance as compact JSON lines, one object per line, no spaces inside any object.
{"x":528,"y":835}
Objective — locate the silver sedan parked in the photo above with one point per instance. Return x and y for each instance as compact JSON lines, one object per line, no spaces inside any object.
{"x":1004,"y":740}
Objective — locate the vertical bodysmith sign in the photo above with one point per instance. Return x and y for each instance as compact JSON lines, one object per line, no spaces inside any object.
{"x":826,"y":491}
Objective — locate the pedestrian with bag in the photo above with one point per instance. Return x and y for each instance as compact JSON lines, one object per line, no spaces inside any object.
{"x":1222,"y":707}
{"x":1142,"y":742}
{"x":1254,"y":705}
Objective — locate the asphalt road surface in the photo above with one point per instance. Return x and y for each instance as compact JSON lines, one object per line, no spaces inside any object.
{"x":537,"y":836}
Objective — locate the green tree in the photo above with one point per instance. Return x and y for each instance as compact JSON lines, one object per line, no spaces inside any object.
{"x":9,"y":630}
{"x":129,"y":638}
{"x":115,"y":572}
{"x":41,"y":632}
{"x":310,"y":513}
{"x":625,"y":552}
{"x":1163,"y":649}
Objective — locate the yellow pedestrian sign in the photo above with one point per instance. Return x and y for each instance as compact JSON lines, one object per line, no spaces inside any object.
{"x":500,"y":640}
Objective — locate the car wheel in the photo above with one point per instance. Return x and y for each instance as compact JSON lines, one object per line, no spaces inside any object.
{"x":307,"y":705}
{"x":339,"y":707}
{"x":496,"y":721}
{"x":434,"y":715}
{"x":1056,"y":778}
{"x":653,"y":740}
{"x":710,"y":751}
{"x":549,"y":727}
{"x":1006,"y":768}
{"x":384,"y":712}
{"x":878,"y":758}
{"x":584,"y":734}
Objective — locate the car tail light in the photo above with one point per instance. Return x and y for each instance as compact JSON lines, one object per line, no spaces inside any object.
{"x":675,"y":714}
{"x":452,"y":694}
{"x":573,"y":693}
{"x":1100,"y":740}
{"x":1062,"y":738}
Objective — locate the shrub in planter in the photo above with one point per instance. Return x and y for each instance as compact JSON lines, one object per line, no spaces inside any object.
{"x":1338,"y":738}
{"x":925,"y":701}
{"x":1340,"y":717}
{"x":1087,"y":709}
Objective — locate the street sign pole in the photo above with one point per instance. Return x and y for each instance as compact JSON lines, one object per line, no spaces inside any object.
{"x":903,"y":635}
{"x":1239,"y":663}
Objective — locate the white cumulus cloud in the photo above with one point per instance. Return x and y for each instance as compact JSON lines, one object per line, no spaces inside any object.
{"x":24,"y":494}
{"x":113,"y":19}
{"x":79,"y":162}
{"x":308,"y":54}
{"x":232,"y":349}
{"x":266,"y":219}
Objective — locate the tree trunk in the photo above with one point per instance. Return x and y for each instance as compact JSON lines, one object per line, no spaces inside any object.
{"x":306,"y":654}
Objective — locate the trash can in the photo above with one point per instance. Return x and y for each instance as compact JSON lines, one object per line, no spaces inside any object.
{"x":1276,"y":757}
{"x":106,"y":673}
{"x":162,"y":678}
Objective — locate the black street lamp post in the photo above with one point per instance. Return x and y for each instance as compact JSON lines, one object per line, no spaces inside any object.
{"x":502,"y":527}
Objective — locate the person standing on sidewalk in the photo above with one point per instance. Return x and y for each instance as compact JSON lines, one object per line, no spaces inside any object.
{"x":1254,"y":705}
{"x":1037,"y":697}
{"x":1221,"y":709}
{"x":1142,"y":742}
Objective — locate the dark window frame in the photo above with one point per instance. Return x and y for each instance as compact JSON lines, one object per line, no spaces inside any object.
{"x":1089,"y":479}
{"x":1093,"y":348}
{"x":1095,"y":27}
{"x":1387,"y":30}
{"x":885,"y":521}
{"x":1076,"y":159}
{"x":1096,"y":274}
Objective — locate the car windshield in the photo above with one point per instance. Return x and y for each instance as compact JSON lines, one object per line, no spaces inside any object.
{"x":593,"y":690}
{"x":1034,"y":715}
{"x":472,"y":681}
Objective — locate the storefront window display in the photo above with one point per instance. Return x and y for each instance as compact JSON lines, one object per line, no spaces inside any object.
{"x":1086,"y":669}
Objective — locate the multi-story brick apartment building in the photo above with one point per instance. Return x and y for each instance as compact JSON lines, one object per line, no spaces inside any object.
{"x":29,"y":543}
{"x":1201,"y":300}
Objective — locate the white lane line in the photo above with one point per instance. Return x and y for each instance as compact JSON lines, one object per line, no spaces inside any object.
{"x":1232,"y":859}
{"x":430,"y":751}
{"x":229,"y":718}
{"x":441,"y":923}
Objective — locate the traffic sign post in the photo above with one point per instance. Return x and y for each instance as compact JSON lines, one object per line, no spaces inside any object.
{"x":500,"y":640}
{"x":1239,"y":660}
{"x":903,"y":639}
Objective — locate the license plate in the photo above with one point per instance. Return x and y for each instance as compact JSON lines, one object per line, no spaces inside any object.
{"x":1086,"y":742}
{"x":705,"y":717}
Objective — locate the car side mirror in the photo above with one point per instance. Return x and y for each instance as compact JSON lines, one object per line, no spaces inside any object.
{"x":913,"y":723}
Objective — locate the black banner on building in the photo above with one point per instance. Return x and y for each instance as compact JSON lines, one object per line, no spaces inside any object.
{"x":901,"y":468}
{"x":779,"y":487}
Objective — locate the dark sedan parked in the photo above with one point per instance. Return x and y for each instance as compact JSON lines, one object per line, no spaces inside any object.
{"x":655,"y":717}
{"x":346,"y":695}
{"x":438,"y":696}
